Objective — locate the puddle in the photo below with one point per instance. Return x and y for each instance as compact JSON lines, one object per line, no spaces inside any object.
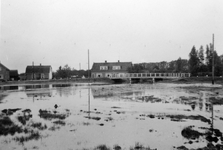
{"x":139,"y":116}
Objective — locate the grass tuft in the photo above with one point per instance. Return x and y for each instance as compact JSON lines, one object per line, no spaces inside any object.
{"x":102,"y":147}
{"x":33,"y":136}
{"x":59,"y":122}
{"x":48,"y":115}
{"x":189,"y":133}
{"x":39,"y":126}
{"x":8,"y":127}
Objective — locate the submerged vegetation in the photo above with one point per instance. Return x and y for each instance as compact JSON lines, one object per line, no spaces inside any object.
{"x":33,"y":135}
{"x":48,"y":115}
{"x":59,"y":122}
{"x":39,"y":126}
{"x":137,"y":146}
{"x":25,"y":132}
{"x":189,"y":133}
{"x":8,"y":127}
{"x":179,"y":117}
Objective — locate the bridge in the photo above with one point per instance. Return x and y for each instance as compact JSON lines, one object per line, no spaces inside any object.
{"x":153,"y":76}
{"x":150,"y":75}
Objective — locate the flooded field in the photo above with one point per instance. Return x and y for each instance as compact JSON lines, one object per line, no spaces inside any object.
{"x":160,"y":116}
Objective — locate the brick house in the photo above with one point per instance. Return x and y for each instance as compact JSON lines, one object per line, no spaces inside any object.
{"x":4,"y":72}
{"x":110,"y":69}
{"x":39,"y":72}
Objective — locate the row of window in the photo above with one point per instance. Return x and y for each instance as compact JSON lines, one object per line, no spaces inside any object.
{"x":98,"y":75}
{"x":113,"y":67}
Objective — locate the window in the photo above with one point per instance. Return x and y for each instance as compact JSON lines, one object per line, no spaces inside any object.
{"x":103,"y":67}
{"x":42,"y":76}
{"x":116,"y":67}
{"x":108,"y":75}
{"x":98,"y":75}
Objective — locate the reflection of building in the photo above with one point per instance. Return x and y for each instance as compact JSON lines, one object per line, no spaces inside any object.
{"x":44,"y":93}
{"x":11,"y":87}
{"x":4,"y":72}
{"x":37,"y":86}
{"x":110,"y":69}
{"x":39,"y":72}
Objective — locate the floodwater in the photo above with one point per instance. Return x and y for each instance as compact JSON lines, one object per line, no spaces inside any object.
{"x":70,"y":117}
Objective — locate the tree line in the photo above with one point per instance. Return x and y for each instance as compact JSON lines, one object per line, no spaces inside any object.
{"x":200,"y":61}
{"x":199,"y":64}
{"x":66,"y":73}
{"x":175,"y":66}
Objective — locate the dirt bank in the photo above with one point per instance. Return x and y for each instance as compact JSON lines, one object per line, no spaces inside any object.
{"x":60,"y":81}
{"x":217,"y":80}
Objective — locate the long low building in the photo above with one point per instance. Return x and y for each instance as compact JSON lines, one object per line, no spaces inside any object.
{"x":110,"y":69}
{"x":39,"y":72}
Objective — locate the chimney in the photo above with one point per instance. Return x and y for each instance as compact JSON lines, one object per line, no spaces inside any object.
{"x":105,"y":61}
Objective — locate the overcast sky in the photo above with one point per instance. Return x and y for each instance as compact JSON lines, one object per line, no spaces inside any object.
{"x":59,"y":32}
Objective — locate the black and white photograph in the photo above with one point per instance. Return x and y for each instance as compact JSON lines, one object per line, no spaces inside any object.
{"x":111,"y":75}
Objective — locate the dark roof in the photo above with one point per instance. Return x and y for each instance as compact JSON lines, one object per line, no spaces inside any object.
{"x":13,"y":72}
{"x":4,"y":66}
{"x":38,"y":69}
{"x":124,"y":66}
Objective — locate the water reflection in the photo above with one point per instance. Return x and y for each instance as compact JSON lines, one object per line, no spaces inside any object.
{"x":62,"y":85}
{"x":9,"y":88}
{"x":2,"y":96}
{"x":198,"y":101}
{"x":25,"y":87}
{"x":66,"y":91}
{"x":39,"y":94}
{"x":201,"y":102}
{"x":100,"y":93}
{"x":89,"y":102}
{"x":212,"y":117}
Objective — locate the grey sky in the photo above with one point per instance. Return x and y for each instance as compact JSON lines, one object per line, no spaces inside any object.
{"x":59,"y":32}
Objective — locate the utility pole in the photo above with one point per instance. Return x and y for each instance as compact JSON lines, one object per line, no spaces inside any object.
{"x":88,"y":66}
{"x":213,"y":61}
{"x":89,"y":97}
{"x":33,"y":70}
